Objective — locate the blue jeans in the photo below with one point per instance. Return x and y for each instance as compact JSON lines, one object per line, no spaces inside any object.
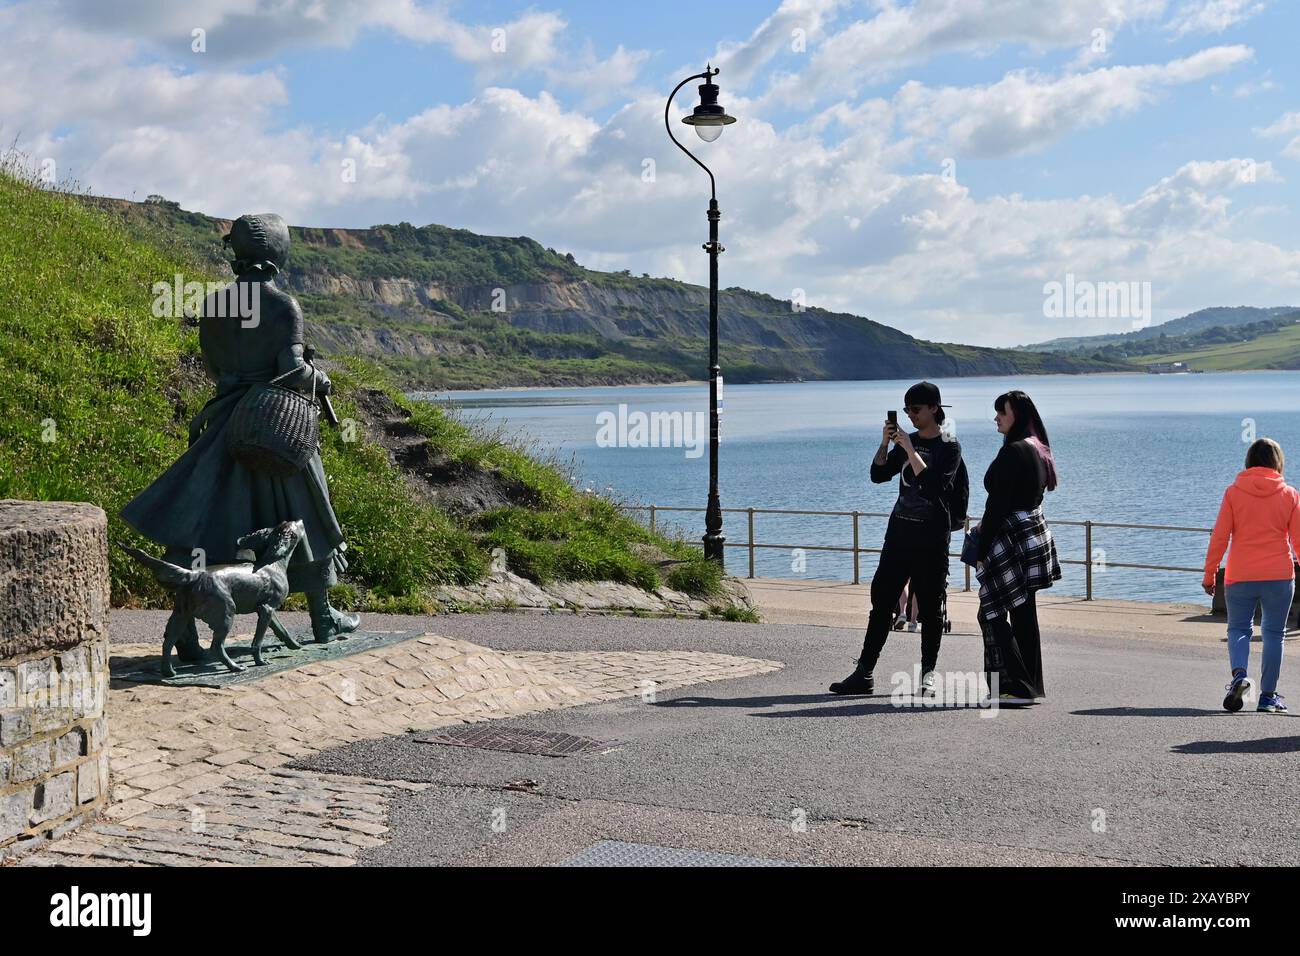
{"x":1275,"y":599}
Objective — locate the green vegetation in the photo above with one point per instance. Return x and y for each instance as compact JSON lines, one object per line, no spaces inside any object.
{"x":430,"y":254}
{"x":427,"y":254}
{"x":415,"y":299}
{"x":1271,"y":343}
{"x":98,"y":392}
{"x":734,"y":612}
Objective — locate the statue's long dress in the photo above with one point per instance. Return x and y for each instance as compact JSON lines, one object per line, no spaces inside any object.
{"x":209,"y":500}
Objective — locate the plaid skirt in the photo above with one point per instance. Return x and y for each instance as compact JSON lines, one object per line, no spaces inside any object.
{"x":1021,"y":560}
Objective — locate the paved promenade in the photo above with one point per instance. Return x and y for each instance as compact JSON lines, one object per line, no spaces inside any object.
{"x":718,"y":738}
{"x":197,"y":773}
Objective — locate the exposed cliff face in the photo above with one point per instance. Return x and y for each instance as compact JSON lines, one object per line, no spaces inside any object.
{"x":446,"y":307}
{"x":383,"y":291}
{"x":812,"y":344}
{"x":336,"y":338}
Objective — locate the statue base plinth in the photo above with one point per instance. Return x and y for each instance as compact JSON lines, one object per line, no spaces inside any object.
{"x":211,"y":672}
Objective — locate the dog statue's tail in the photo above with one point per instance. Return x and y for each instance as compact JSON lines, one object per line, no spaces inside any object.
{"x":164,"y":571}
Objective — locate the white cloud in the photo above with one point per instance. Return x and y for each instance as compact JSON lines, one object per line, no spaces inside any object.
{"x":1254,"y":88}
{"x":1193,"y":198}
{"x":1212,"y":16}
{"x":238,"y":31}
{"x":1286,"y":125}
{"x":1023,"y":111}
{"x":801,"y":21}
{"x":896,"y":36}
{"x":599,"y":81}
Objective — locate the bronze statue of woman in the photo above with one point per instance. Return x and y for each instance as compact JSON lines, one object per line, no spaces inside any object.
{"x":250,"y":332}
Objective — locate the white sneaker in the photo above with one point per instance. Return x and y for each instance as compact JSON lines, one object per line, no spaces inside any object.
{"x":912,"y":626}
{"x":927,"y":686}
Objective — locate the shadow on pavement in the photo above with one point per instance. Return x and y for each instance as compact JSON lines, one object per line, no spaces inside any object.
{"x":852,"y":706}
{"x":1269,"y":745}
{"x":1150,"y":712}
{"x":757,"y":701}
{"x":883,"y":707}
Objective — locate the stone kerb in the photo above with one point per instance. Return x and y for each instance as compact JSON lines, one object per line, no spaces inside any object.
{"x":54,"y":657}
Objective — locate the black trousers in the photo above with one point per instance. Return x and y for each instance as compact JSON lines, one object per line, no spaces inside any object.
{"x":1013,"y":651}
{"x":921,"y":558}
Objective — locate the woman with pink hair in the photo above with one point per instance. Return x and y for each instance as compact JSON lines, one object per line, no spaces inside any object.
{"x":1015,"y":553}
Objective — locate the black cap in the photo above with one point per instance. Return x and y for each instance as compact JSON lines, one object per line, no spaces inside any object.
{"x":923,"y":393}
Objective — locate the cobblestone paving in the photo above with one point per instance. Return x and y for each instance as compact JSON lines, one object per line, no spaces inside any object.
{"x":198,"y":773}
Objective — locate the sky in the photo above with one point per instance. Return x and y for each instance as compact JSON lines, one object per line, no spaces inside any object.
{"x":934,"y":165}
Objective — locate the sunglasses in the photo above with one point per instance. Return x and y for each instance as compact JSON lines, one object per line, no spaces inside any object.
{"x":913,"y":409}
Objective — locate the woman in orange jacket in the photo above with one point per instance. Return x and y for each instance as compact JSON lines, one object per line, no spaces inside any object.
{"x":1261,"y":515}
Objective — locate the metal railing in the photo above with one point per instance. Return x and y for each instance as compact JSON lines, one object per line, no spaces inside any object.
{"x":857,"y":550}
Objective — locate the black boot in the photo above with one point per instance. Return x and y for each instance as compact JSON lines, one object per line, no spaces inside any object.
{"x":859,"y":682}
{"x":328,"y":623}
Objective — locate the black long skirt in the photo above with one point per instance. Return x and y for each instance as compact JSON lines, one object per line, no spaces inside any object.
{"x":1013,"y":651}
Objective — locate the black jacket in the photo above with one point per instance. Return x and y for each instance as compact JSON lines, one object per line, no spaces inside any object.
{"x":1014,"y":482}
{"x":921,"y":500}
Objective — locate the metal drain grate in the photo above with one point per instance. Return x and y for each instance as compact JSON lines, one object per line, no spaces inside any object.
{"x":618,"y":853}
{"x":542,"y":743}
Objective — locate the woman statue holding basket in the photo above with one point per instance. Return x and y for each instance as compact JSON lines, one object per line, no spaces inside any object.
{"x":253,"y":459}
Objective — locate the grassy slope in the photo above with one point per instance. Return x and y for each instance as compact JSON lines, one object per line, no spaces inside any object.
{"x":96,"y":394}
{"x":1280,"y":349}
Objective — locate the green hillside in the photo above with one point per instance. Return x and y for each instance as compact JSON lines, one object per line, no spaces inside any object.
{"x":1277,"y":348}
{"x":1202,"y":320}
{"x":96,"y":394}
{"x":444,"y":308}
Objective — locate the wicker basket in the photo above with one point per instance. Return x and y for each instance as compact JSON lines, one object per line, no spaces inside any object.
{"x":274,"y":429}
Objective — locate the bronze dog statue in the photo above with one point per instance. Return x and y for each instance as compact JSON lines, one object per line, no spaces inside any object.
{"x":216,"y":596}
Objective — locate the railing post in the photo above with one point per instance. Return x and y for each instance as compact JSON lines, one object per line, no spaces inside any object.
{"x":856,"y":575}
{"x":966,"y":530}
{"x":751,"y":542}
{"x":652,"y":518}
{"x":1087,"y":558}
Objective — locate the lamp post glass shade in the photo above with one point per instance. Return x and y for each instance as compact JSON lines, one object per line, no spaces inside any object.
{"x":708,"y":118}
{"x":708,"y":131}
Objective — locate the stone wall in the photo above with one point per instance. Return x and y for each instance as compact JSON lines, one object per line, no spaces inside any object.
{"x":54,"y":601}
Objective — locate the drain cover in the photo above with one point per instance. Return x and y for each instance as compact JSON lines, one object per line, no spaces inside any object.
{"x":618,"y":853}
{"x":514,"y":740}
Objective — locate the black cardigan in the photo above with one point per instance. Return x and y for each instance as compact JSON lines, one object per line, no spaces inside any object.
{"x":1014,"y":482}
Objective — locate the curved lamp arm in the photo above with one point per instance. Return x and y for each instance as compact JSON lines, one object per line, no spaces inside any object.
{"x":706,"y":76}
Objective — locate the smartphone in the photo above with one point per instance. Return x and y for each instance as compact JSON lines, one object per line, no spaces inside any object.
{"x":892,"y":416}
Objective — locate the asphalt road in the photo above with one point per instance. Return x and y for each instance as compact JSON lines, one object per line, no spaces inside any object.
{"x":1130,"y":760}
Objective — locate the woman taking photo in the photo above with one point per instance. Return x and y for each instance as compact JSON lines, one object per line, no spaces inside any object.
{"x":1015,"y":551}
{"x":1260,"y":514}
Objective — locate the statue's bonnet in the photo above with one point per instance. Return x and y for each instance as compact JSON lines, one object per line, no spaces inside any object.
{"x":260,"y":243}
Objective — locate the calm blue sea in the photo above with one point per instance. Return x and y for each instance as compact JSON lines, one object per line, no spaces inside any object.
{"x":1148,"y":449}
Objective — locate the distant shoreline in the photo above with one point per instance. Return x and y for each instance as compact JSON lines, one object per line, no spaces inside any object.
{"x":705,"y":381}
{"x":551,"y":388}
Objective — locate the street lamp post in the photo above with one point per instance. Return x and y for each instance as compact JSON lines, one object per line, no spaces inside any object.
{"x":708,"y":118}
